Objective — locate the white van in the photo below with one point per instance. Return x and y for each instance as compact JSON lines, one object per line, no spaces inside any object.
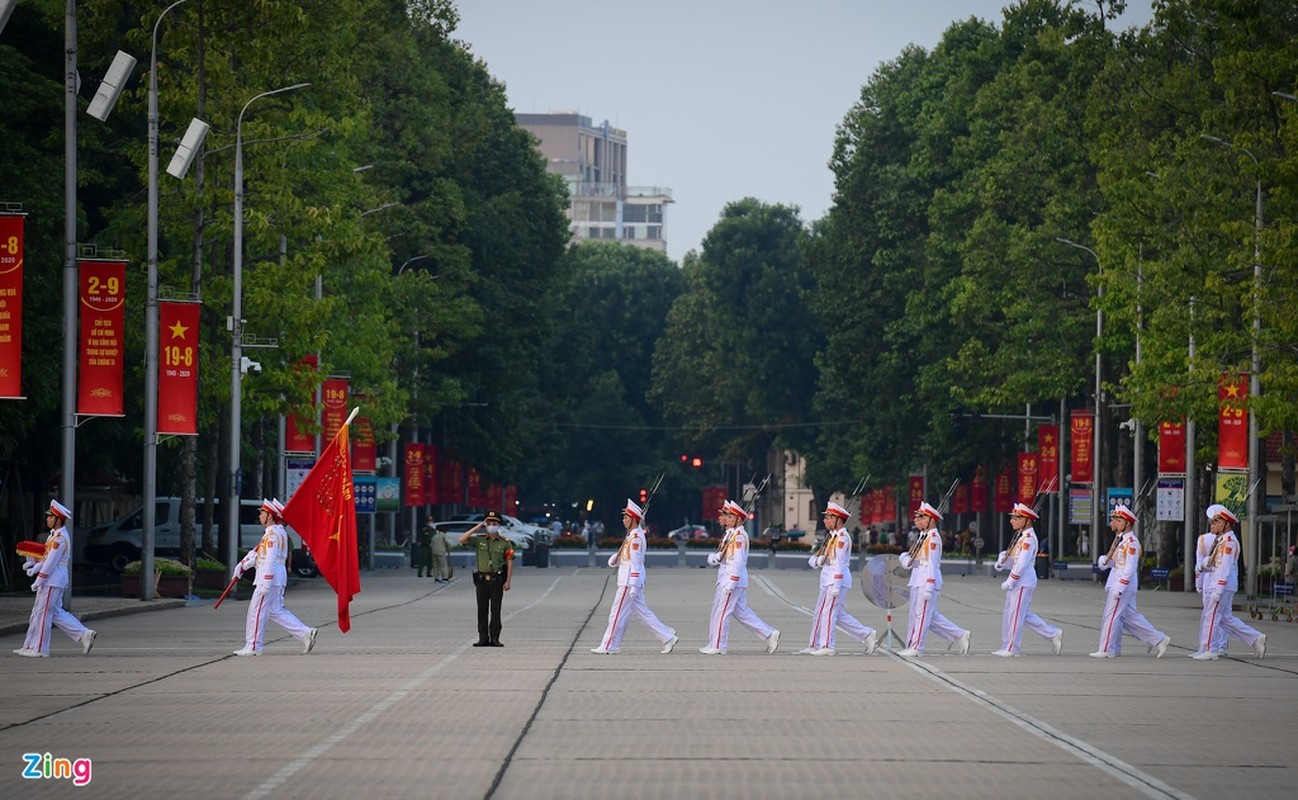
{"x":119,"y":542}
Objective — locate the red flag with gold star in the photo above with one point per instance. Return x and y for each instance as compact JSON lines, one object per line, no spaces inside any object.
{"x":323,"y":512}
{"x":1232,"y":423}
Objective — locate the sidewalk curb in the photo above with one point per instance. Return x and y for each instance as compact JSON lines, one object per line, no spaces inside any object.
{"x":139,"y":607}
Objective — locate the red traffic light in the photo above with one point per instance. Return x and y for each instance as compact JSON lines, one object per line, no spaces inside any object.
{"x":644,"y":496}
{"x":696,"y":462}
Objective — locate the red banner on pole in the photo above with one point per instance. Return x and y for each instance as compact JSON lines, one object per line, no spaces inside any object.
{"x":1027,"y":484}
{"x":333,"y":396}
{"x":365,"y":453}
{"x":296,"y":440}
{"x":1003,"y":499}
{"x":414,"y":474}
{"x":1048,"y":458}
{"x":11,"y":306}
{"x":476,"y":499}
{"x":450,"y":486}
{"x":1171,"y":448}
{"x":1081,"y":430}
{"x":178,"y":368}
{"x":978,"y":491}
{"x":103,"y":312}
{"x":431,"y":488}
{"x":1232,"y":422}
{"x":916,"y":494}
{"x":511,"y":499}
{"x":960,"y":500}
{"x":713,"y":497}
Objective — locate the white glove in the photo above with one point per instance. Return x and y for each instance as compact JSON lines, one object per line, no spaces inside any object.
{"x":613,"y":560}
{"x":1198,"y":583}
{"x":814,"y":562}
{"x":1007,"y":585}
{"x":1103,"y":563}
{"x":905,"y":560}
{"x":727,"y":587}
{"x":832,"y":591}
{"x":31,"y":569}
{"x":714,"y":559}
{"x":38,"y":583}
{"x":238,"y":570}
{"x":1000,"y":560}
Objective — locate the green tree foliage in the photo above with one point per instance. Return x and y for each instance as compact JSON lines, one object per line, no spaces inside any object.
{"x":736,"y":363}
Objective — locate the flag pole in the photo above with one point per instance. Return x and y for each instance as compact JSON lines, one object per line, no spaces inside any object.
{"x":352,"y":416}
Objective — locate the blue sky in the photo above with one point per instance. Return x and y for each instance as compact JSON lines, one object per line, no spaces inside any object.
{"x":720,"y":99}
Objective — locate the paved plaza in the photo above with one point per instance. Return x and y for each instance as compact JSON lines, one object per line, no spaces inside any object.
{"x":403,"y":706}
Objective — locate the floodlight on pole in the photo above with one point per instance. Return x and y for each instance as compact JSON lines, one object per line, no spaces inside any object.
{"x":110,"y":88}
{"x":1097,"y":510}
{"x":188,"y":148}
{"x":6,"y":8}
{"x":235,"y":325}
{"x":1251,"y":498}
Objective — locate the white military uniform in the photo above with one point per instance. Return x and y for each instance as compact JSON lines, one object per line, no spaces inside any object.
{"x":835,"y":576}
{"x":1120,"y":612}
{"x":629,"y":600}
{"x":1219,"y":577}
{"x":1202,"y":550}
{"x":1019,"y":587}
{"x":925,"y":590}
{"x":51,"y":580}
{"x":732,"y":591}
{"x":268,"y":589}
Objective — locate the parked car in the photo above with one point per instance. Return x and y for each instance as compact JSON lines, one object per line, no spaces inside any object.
{"x":120,"y":542}
{"x":455,"y":527}
{"x":688,"y":532}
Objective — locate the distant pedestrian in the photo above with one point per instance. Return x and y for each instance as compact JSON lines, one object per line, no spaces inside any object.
{"x":51,"y":574}
{"x":629,"y":600}
{"x":731,"y":561}
{"x":835,"y":564}
{"x":1120,"y":613}
{"x":441,"y":547}
{"x":426,"y":549}
{"x":267,"y":601}
{"x":1218,"y":575}
{"x":925,"y":564}
{"x":1019,"y":560}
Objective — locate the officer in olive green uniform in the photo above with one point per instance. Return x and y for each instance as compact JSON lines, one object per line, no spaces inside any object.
{"x":491,"y":576}
{"x":426,"y":549}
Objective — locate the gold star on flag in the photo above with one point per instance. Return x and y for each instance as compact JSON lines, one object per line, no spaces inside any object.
{"x":178,"y":331}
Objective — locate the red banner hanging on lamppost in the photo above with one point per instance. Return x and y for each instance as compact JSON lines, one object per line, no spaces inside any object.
{"x":1027,"y":484}
{"x":960,"y":500}
{"x":916,"y":495}
{"x":978,"y":490}
{"x":295,"y":439}
{"x":1003,"y":496}
{"x":1048,"y":457}
{"x":1232,"y":422}
{"x":365,"y":453}
{"x":414,"y":474}
{"x":333,"y":396}
{"x":178,"y":368}
{"x":1081,"y":430}
{"x":11,"y":306}
{"x":1171,"y":448}
{"x":103,"y":312}
{"x":450,"y":487}
{"x":476,"y":499}
{"x":431,"y":488}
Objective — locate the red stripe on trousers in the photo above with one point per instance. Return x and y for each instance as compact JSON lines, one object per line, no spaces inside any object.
{"x":1108,"y":627}
{"x":722,"y":620}
{"x":918,"y":635}
{"x":1014,"y":628}
{"x":616,"y":616}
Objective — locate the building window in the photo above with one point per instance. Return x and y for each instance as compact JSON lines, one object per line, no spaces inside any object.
{"x":655,"y":232}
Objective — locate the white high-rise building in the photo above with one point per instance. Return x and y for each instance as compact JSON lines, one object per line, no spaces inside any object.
{"x":592,"y":159}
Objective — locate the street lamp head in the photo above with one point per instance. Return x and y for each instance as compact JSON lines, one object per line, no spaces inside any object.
{"x":1216,"y":139}
{"x":112,"y":85}
{"x":1286,"y":96}
{"x":6,"y":8}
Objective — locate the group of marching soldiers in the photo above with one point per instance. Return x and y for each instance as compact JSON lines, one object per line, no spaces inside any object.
{"x":1216,"y":578}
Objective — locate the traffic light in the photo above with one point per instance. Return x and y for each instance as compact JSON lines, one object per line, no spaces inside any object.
{"x":644,"y":497}
{"x":691,"y":461}
{"x":696,"y":462}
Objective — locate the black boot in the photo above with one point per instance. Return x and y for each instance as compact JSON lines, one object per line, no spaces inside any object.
{"x":482,"y":643}
{"x":495,"y":643}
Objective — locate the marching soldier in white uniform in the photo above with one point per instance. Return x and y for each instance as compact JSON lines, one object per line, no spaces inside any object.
{"x":51,"y":574}
{"x":925,"y":563}
{"x":731,"y":561}
{"x":1020,"y":560}
{"x":1120,"y":613}
{"x":629,"y":600}
{"x":268,"y":593}
{"x":835,"y":564}
{"x":1216,"y":574}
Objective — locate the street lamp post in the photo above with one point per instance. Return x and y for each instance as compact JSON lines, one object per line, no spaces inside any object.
{"x":235,"y":325}
{"x":1097,"y":510}
{"x":1254,"y":381}
{"x":151,"y":328}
